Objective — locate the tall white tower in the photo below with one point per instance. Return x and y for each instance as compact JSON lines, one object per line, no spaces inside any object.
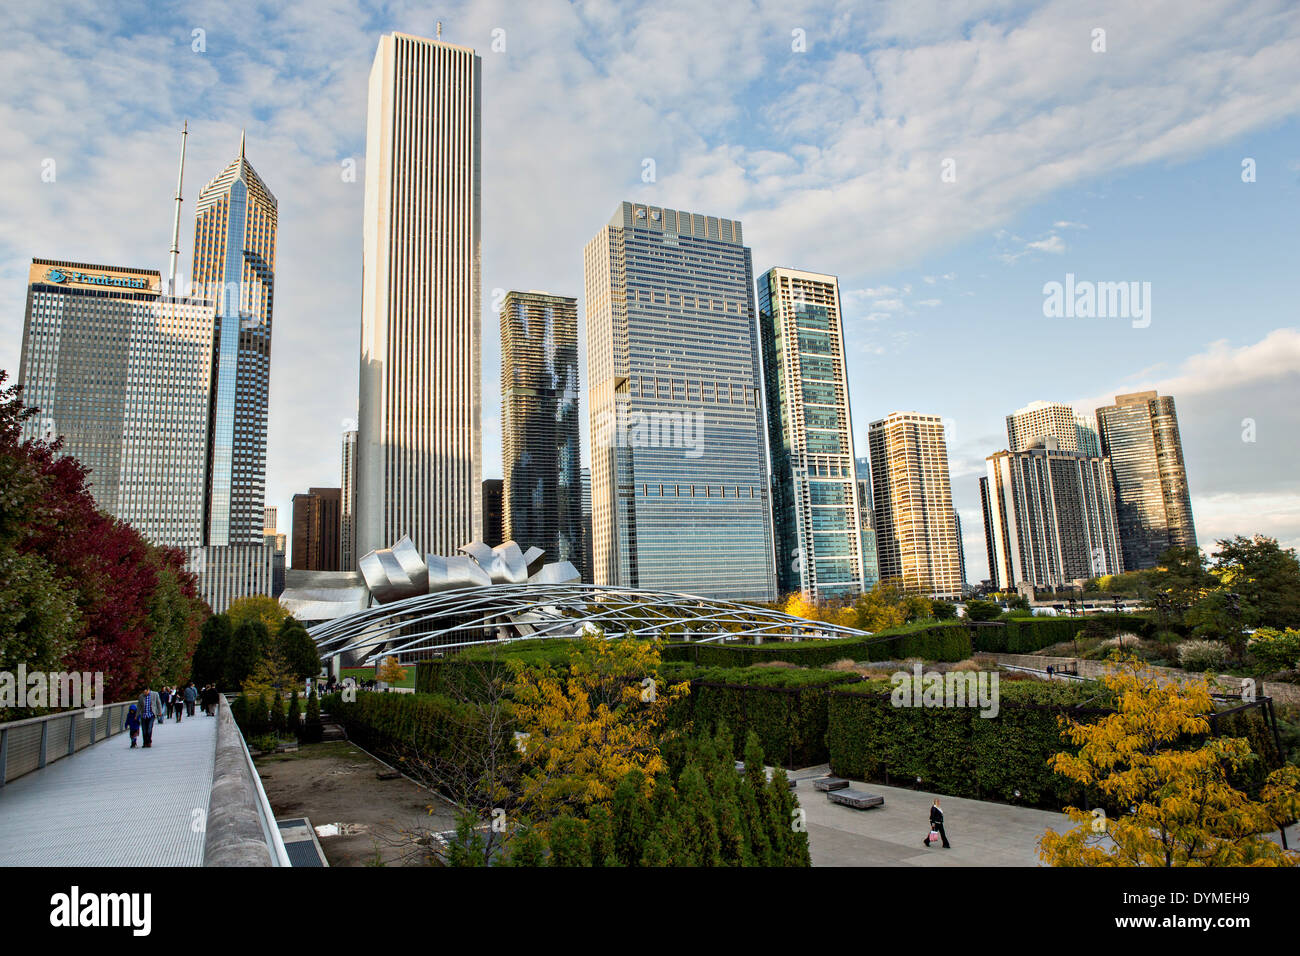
{"x":419,"y":440}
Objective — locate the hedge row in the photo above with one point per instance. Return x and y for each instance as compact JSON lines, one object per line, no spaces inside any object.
{"x":954,"y":750}
{"x":1029,"y":634}
{"x":786,"y":708}
{"x":948,"y":641}
{"x":432,"y":736}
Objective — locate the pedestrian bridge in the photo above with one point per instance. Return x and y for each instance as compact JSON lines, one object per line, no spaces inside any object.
{"x":74,"y":793}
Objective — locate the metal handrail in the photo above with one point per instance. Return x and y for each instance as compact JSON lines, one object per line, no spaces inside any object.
{"x":28,"y":745}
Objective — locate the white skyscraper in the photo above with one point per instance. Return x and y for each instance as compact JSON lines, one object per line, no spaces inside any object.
{"x":419,"y":443}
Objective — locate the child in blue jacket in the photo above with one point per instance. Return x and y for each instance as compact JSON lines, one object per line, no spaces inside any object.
{"x":133,"y":724}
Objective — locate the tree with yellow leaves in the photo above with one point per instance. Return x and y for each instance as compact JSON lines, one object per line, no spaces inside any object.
{"x":390,"y":671}
{"x":257,"y":607}
{"x":1154,"y":756}
{"x":588,"y":727}
{"x":797,"y":605}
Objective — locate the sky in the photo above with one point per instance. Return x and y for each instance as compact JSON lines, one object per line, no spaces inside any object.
{"x":945,"y":160}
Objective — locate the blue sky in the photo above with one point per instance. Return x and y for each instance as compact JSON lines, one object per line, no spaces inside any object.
{"x":1122,"y":165}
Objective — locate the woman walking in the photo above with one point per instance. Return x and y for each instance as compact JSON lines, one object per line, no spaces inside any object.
{"x":936,"y":826}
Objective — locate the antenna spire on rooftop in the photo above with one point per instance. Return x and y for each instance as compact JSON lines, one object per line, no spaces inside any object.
{"x":176,"y":222}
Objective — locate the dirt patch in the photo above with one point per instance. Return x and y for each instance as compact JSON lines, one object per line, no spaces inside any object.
{"x":379,"y":821}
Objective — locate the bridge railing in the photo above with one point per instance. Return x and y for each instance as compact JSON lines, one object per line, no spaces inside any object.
{"x":34,"y":743}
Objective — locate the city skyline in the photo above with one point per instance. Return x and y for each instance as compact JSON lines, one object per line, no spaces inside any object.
{"x":1131,"y":200}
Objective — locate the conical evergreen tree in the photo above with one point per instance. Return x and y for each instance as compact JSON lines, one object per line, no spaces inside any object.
{"x":600,"y":834}
{"x":698,"y":824}
{"x":568,"y":840}
{"x":632,"y":818}
{"x":656,"y":854}
{"x":527,"y":848}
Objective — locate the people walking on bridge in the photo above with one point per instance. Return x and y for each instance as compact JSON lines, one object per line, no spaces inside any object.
{"x":133,"y":724}
{"x":191,"y":695}
{"x":178,"y":703}
{"x":166,"y":693}
{"x":150,"y":708}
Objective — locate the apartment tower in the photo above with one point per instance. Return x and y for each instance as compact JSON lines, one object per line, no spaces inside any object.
{"x":916,"y":531}
{"x":816,"y":519}
{"x":1139,"y":433}
{"x":540,"y":431}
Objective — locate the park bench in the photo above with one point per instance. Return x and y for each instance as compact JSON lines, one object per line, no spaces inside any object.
{"x":826,"y":784}
{"x":857,"y":799}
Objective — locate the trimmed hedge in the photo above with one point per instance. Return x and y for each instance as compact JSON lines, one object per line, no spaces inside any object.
{"x":955,"y":750}
{"x":1026,"y":635}
{"x":463,"y":675}
{"x":943,"y":641}
{"x":785,"y":707}
{"x":434,"y":737}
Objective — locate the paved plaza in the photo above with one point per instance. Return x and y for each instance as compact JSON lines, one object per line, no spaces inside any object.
{"x":981,"y":833}
{"x":109,"y":805}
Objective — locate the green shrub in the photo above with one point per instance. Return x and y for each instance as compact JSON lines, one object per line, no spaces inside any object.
{"x":785,"y":707}
{"x":955,"y":750}
{"x":930,"y":640}
{"x":1276,"y":650}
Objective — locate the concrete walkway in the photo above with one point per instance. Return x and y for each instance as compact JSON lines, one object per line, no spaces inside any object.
{"x":109,"y":805}
{"x":981,"y":833}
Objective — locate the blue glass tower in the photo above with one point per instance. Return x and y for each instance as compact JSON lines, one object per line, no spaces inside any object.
{"x":234,"y":262}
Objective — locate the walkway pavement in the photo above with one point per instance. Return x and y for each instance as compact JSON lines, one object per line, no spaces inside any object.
{"x":109,"y":805}
{"x":981,"y":833}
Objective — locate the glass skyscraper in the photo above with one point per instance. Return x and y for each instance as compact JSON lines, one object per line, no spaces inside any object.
{"x":679,"y":466}
{"x":540,"y":431}
{"x":234,"y":256}
{"x":870,"y":563}
{"x":815,"y":513}
{"x":1139,"y":433}
{"x":121,"y":373}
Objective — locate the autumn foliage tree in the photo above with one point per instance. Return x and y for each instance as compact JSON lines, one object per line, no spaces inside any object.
{"x":592,"y":723}
{"x":1155,"y":756}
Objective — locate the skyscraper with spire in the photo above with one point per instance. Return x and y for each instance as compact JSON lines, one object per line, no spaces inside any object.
{"x":234,"y":262}
{"x":236,"y":220}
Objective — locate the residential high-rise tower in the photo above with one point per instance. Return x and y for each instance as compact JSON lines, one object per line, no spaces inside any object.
{"x":916,"y":530}
{"x":540,"y":431}
{"x":1049,"y":517}
{"x":1139,"y":433}
{"x":815,"y":514}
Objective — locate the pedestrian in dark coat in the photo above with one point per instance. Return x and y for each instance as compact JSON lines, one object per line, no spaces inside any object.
{"x":936,"y":825}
